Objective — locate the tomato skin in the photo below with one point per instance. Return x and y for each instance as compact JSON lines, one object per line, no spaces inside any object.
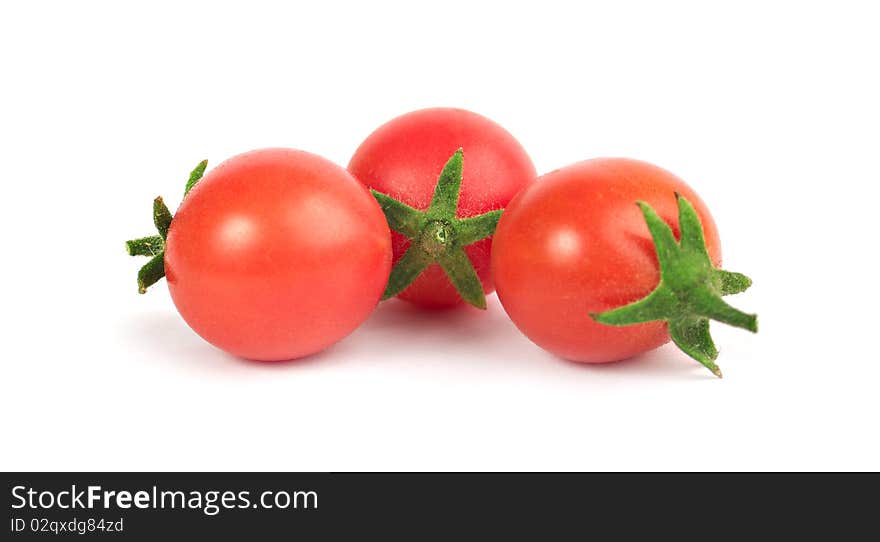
{"x":277,"y":254}
{"x":403,"y":159}
{"x":575,"y":243}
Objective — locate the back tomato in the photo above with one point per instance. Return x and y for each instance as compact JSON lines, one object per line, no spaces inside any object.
{"x":277,"y":254}
{"x":403,"y":159}
{"x":575,"y":243}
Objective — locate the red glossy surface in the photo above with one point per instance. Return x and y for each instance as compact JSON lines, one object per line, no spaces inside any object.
{"x":277,"y":254}
{"x":575,"y":243}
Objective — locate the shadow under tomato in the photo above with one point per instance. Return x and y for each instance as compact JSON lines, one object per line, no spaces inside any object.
{"x":402,"y":333}
{"x":408,"y":334}
{"x":166,"y":338}
{"x":402,"y":315}
{"x":324,"y":358}
{"x":401,"y":328}
{"x":666,"y":361}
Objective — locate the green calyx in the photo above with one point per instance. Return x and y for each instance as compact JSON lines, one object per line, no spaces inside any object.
{"x":438,"y":236}
{"x":690,"y":290}
{"x":154,"y":245}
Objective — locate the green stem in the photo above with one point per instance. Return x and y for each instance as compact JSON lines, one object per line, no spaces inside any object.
{"x":400,"y":216}
{"x":690,"y":289}
{"x":151,"y":272}
{"x":154,"y":245}
{"x":195,"y":176}
{"x":145,"y":246}
{"x":408,"y":268}
{"x":438,"y":236}
{"x":161,"y":217}
{"x":461,"y":273}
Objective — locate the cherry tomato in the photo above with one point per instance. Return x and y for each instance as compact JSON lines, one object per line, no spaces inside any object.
{"x":575,"y":243}
{"x":404,"y":158}
{"x":277,"y":254}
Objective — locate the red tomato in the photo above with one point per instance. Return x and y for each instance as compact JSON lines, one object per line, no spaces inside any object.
{"x":575,"y":243}
{"x":277,"y":254}
{"x":403,"y":159}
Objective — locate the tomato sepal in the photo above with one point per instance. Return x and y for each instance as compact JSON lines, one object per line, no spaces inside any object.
{"x":461,"y":273}
{"x":400,"y":216}
{"x":733,"y":283}
{"x":161,"y":217}
{"x":408,"y":268}
{"x":145,"y":246}
{"x":153,"y":246}
{"x":477,"y":228}
{"x":690,"y":289}
{"x":195,"y":176}
{"x":438,"y":236}
{"x":151,"y":272}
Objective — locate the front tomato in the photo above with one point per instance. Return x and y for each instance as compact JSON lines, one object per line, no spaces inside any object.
{"x":277,"y":254}
{"x":575,"y":244}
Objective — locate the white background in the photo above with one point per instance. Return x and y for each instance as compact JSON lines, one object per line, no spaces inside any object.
{"x":768,"y":109}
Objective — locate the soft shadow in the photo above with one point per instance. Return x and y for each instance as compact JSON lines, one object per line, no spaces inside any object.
{"x":400,"y":331}
{"x":488,"y":338}
{"x":323,"y":358}
{"x":666,"y":361}
{"x":398,"y":327}
{"x":397,"y":315}
{"x":165,"y":338}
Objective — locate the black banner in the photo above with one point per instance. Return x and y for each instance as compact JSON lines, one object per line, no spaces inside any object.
{"x":265,"y":506}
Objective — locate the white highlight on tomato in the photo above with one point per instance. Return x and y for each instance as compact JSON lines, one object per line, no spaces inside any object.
{"x":237,"y":231}
{"x":565,"y":244}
